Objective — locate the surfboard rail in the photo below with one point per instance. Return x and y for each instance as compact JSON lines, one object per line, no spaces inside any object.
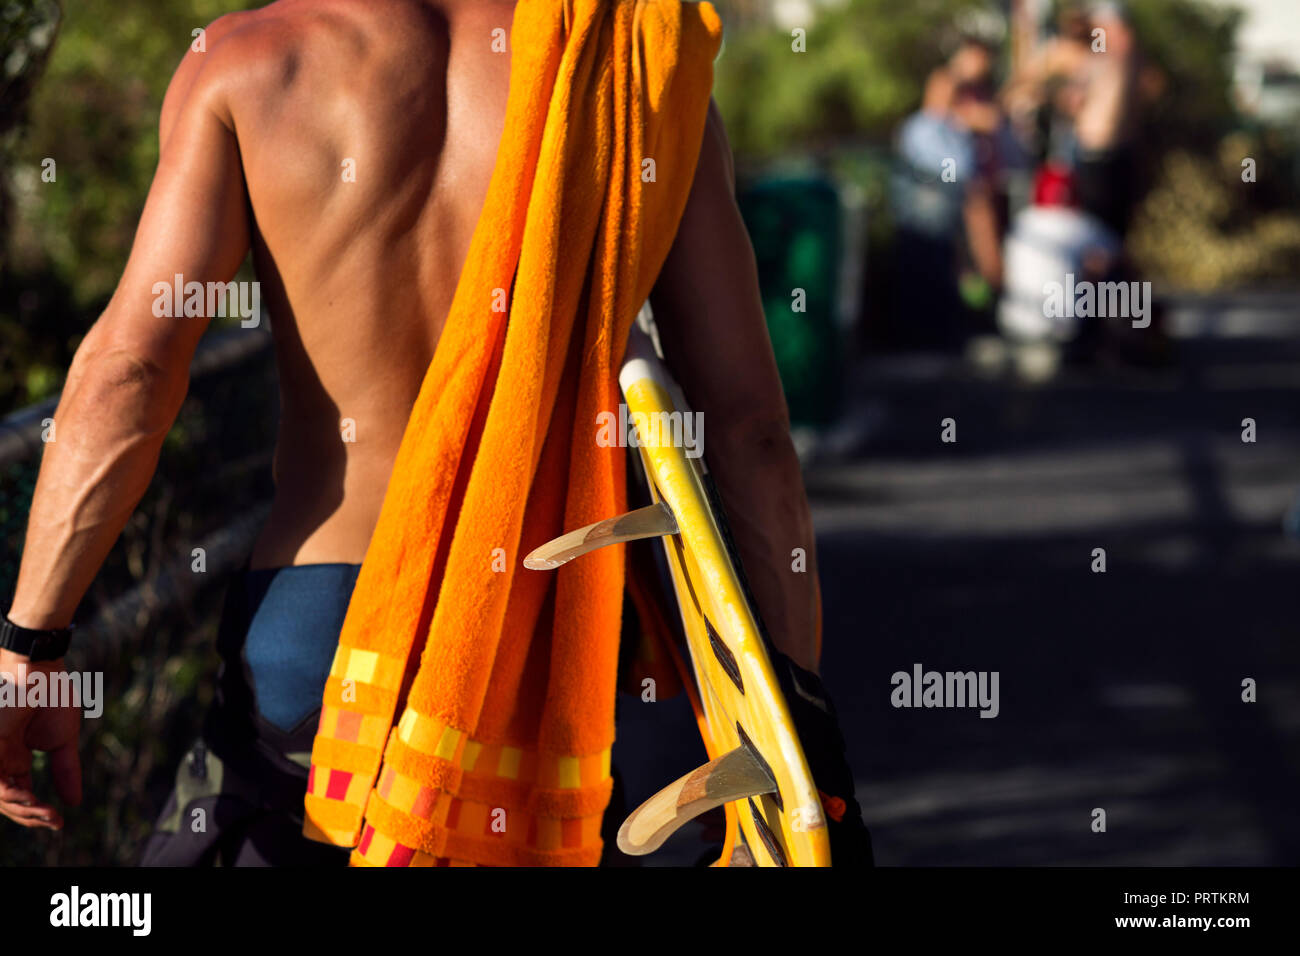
{"x":737,"y":685}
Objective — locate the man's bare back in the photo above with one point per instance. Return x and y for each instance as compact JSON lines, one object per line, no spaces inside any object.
{"x":367,"y":136}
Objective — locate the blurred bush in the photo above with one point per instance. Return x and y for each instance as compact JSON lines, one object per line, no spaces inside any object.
{"x":94,"y":112}
{"x":863,"y":70}
{"x":1202,"y":228}
{"x":1190,"y":43}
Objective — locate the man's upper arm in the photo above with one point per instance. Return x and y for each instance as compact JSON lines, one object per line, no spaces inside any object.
{"x":194,"y":224}
{"x":708,"y":308}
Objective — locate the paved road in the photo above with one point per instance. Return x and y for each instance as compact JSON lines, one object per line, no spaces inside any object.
{"x":1119,"y":691}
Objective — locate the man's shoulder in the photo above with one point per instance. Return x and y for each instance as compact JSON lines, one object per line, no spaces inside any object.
{"x":233,"y":50}
{"x":274,"y":43}
{"x":243,"y":43}
{"x":242,"y":58}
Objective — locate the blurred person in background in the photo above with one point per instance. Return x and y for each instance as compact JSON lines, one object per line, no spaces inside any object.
{"x":1087,"y":75}
{"x":928,"y":215}
{"x":998,"y":150}
{"x":1051,"y":240}
{"x":998,"y":153}
{"x":1084,"y":84}
{"x":949,"y":200}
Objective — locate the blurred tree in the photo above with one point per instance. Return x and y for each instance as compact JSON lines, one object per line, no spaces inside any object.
{"x":863,"y":69}
{"x":95,"y":114}
{"x":27,"y":32}
{"x":1191,"y":44}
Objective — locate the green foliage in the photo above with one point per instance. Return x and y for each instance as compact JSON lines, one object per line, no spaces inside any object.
{"x":27,"y":31}
{"x":1191,"y":43}
{"x":95,"y":113}
{"x":863,"y":70}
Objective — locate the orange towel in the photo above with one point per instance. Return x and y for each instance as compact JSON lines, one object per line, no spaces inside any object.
{"x":501,"y":753}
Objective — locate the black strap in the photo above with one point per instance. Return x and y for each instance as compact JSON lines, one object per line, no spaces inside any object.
{"x":34,"y":644}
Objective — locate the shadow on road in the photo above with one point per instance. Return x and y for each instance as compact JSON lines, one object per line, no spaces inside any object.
{"x":1119,"y":690}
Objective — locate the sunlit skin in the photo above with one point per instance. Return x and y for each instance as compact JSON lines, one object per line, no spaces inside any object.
{"x":358,"y":277}
{"x":1099,"y":92}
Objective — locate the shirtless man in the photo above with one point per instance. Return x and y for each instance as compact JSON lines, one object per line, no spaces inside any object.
{"x":1096,"y":89}
{"x":358,"y":278}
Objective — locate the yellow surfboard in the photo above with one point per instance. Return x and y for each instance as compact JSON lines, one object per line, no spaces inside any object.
{"x":757,"y":769}
{"x":738,"y":691}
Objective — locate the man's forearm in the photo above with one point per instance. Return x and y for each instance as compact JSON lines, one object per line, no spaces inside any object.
{"x":982,"y":233}
{"x":108,"y":432}
{"x":758,"y":477}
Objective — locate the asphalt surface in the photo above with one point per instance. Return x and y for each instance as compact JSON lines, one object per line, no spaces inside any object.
{"x":1120,"y":691}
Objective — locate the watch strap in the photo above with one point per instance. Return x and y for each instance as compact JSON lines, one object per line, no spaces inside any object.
{"x":34,"y":644}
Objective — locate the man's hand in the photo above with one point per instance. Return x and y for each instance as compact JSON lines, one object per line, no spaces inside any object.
{"x":54,"y":730}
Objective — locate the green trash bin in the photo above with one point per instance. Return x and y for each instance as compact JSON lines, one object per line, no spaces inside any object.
{"x":796,"y":227}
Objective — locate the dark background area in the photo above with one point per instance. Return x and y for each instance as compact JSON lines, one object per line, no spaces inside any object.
{"x":1119,"y":690}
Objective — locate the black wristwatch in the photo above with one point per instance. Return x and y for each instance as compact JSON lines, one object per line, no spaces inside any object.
{"x":36,"y":645}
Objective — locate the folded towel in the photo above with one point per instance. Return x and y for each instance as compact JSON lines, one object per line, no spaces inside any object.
{"x":501,"y":753}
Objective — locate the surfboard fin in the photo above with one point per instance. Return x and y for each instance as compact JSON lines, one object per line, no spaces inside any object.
{"x":733,"y":776}
{"x":652,"y":521}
